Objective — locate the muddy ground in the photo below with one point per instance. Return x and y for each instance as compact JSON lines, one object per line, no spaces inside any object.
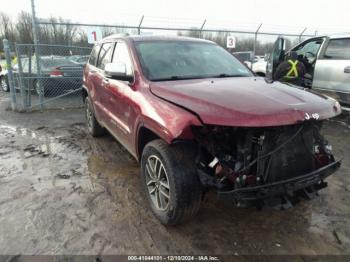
{"x":64,"y":192}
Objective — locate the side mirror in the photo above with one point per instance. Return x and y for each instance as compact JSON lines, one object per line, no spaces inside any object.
{"x":117,"y":71}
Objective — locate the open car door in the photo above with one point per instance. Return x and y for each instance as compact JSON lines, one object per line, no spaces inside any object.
{"x":275,"y":58}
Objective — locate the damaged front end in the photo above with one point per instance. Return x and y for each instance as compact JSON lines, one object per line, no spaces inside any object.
{"x":274,"y":166}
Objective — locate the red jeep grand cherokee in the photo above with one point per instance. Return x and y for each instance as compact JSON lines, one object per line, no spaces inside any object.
{"x":196,"y":118}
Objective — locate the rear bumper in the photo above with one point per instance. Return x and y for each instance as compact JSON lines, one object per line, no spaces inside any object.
{"x":283,"y":193}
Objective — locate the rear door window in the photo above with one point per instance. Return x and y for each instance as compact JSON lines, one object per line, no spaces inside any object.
{"x":338,"y":49}
{"x":105,"y":55}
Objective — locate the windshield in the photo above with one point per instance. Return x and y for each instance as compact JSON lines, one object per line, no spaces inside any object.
{"x":175,"y":60}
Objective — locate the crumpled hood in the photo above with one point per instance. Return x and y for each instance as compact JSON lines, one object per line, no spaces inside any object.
{"x":246,"y":101}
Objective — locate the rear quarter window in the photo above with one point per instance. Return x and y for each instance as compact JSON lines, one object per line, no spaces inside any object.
{"x":94,"y":55}
{"x":105,"y":55}
{"x":338,"y":49}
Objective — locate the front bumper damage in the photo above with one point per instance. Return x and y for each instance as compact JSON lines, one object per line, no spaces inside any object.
{"x":282,"y":194}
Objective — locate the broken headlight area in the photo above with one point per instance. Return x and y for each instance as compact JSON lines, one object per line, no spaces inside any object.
{"x":234,"y":158}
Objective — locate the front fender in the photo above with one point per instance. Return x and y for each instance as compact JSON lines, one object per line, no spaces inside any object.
{"x":172,"y":130}
{"x":163,"y":118}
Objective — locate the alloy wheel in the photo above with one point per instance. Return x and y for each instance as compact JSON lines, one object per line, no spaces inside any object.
{"x":4,"y":86}
{"x":89,"y":116}
{"x":39,"y":89}
{"x":157,"y":183}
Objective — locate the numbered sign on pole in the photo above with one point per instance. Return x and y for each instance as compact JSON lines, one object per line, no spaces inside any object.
{"x":231,"y":42}
{"x":94,"y":35}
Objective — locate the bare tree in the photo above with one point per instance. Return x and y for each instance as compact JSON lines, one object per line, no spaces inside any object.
{"x":7,"y":29}
{"x":60,"y":31}
{"x":24,"y":28}
{"x":56,"y":33}
{"x":243,"y":43}
{"x":106,"y":31}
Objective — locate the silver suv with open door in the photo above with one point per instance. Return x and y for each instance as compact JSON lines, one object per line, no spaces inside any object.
{"x":327,"y":62}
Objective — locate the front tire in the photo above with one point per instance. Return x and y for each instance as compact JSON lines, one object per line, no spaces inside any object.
{"x":170,"y":181}
{"x":94,"y":128}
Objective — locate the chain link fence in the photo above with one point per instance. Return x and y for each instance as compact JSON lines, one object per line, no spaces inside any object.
{"x":48,"y":76}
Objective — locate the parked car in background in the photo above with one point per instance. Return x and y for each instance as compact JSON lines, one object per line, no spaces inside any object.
{"x":327,"y":62}
{"x":58,"y":75}
{"x":245,"y":57}
{"x":259,"y":62}
{"x":196,"y":119}
{"x":4,"y":84}
{"x":259,"y":67}
{"x":79,"y":59}
{"x":258,"y":58}
{"x":3,"y":78}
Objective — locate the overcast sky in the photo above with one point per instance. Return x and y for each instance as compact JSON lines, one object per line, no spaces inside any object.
{"x":276,"y":15}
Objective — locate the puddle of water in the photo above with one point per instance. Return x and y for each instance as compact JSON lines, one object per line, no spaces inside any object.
{"x":63,"y":158}
{"x":39,"y":154}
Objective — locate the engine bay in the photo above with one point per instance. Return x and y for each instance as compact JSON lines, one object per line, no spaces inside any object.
{"x":239,"y":157}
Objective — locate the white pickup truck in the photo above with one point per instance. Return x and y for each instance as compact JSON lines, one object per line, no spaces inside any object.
{"x":327,"y":62}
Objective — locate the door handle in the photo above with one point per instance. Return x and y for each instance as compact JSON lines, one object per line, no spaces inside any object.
{"x":347,"y":70}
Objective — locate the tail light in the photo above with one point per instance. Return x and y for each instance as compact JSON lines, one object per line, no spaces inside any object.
{"x":56,"y":73}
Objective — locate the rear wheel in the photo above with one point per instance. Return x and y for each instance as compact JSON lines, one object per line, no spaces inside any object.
{"x":170,"y":181}
{"x":94,"y":128}
{"x":39,"y":90}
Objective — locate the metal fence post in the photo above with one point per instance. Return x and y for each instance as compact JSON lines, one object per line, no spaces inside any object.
{"x":139,"y":27}
{"x":301,"y":34}
{"x":29,"y":81}
{"x":37,"y":57}
{"x":10,"y":73}
{"x":20,"y":74}
{"x":255,"y":40}
{"x":201,"y":29}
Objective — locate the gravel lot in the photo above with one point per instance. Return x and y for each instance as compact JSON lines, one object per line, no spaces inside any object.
{"x":64,"y":192}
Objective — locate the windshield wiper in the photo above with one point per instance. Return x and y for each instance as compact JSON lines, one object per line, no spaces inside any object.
{"x":227,"y":75}
{"x":174,"y":78}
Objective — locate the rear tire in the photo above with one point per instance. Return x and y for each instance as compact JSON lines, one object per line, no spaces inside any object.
{"x":170,"y":181}
{"x":94,"y":128}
